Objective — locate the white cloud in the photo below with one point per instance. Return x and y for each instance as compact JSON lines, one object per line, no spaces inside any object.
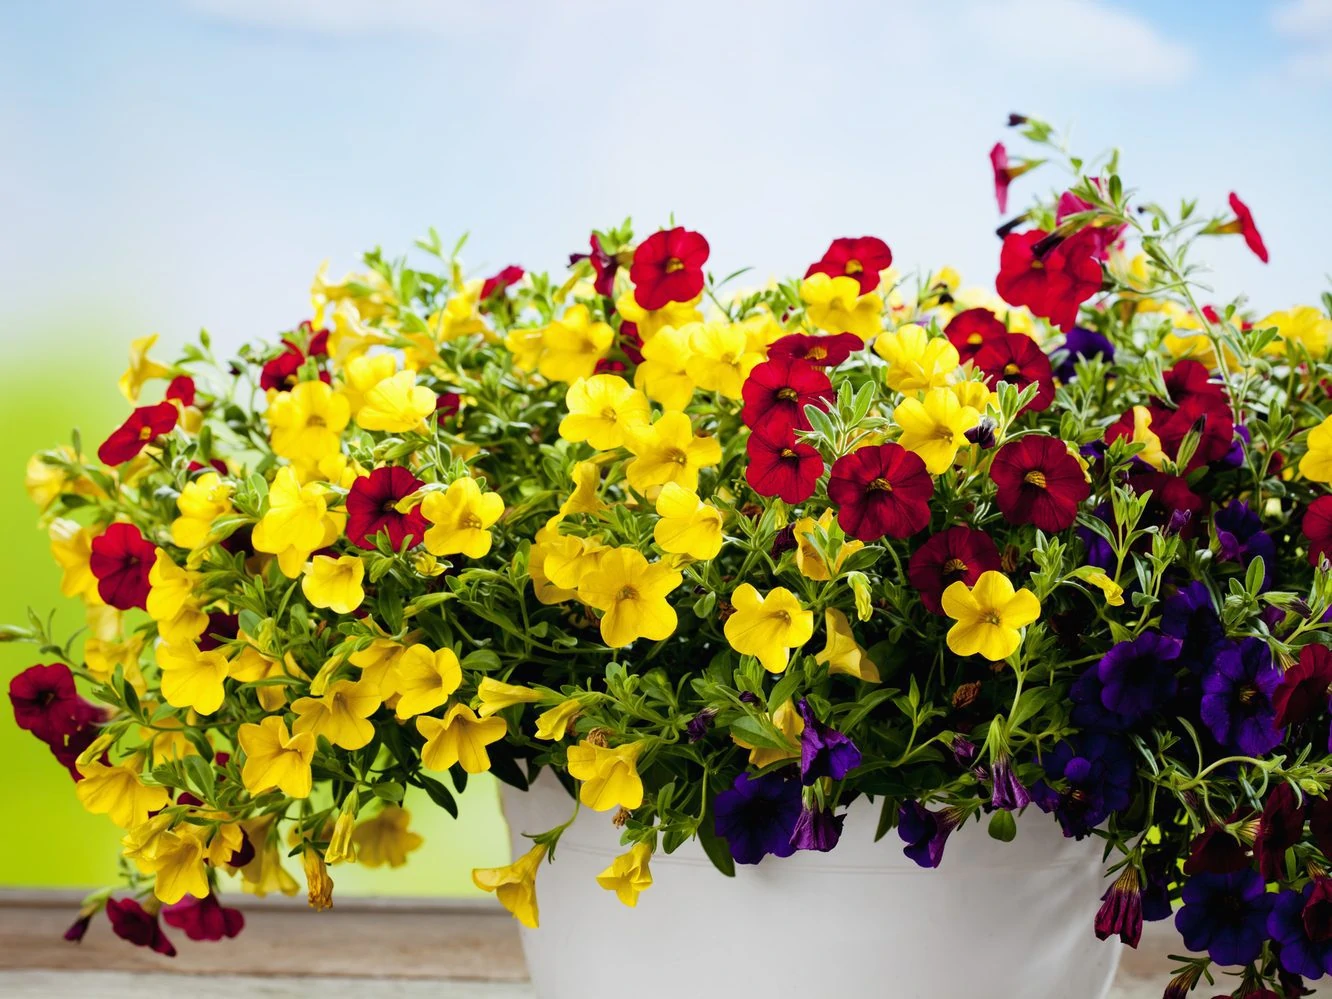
{"x":1308,"y":25}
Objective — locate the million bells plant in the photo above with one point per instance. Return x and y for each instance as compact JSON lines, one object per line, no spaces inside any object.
{"x":726,"y":562}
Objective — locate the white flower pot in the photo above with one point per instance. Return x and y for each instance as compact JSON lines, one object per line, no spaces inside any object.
{"x":995,"y":919}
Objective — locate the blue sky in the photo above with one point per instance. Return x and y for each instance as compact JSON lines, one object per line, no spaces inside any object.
{"x":169,"y":164}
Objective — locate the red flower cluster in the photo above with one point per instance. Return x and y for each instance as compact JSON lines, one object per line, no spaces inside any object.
{"x":204,"y":918}
{"x":1052,"y":284}
{"x":1039,"y":483}
{"x":1017,"y":359}
{"x":499,"y":283}
{"x":47,"y":704}
{"x":372,"y":507}
{"x":958,"y":553}
{"x":145,"y":425}
{"x":668,"y":267}
{"x":121,"y":560}
{"x":859,"y":257}
{"x":281,"y":373}
{"x":969,"y":331}
{"x":881,"y":490}
{"x":1195,"y":401}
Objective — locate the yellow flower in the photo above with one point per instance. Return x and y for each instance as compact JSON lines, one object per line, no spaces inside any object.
{"x":843,"y":653}
{"x":688,"y":526}
{"x":172,"y":601}
{"x":610,"y":776}
{"x":276,"y":759}
{"x":191,"y":678}
{"x":515,"y":885}
{"x":363,"y":373}
{"x":768,"y":627}
{"x":835,"y":304}
{"x":103,"y":655}
{"x":990,"y":616}
{"x":141,"y":369}
{"x":553,"y":724}
{"x":566,"y":560}
{"x":1303,"y":325}
{"x":340,"y":716}
{"x":119,"y":794}
{"x":340,"y":846}
{"x":460,"y":518}
{"x":651,"y":323}
{"x":584,"y":498}
{"x":809,"y":562}
{"x":460,"y":737}
{"x":71,"y":547}
{"x":720,"y":359}
{"x":200,"y":503}
{"x":1152,"y":453}
{"x":296,"y":524}
{"x":916,"y":360}
{"x":601,"y":408}
{"x":378,"y":664}
{"x":976,"y":394}
{"x":426,"y":679}
{"x":668,"y":451}
{"x":1112,"y":591}
{"x":334,"y":583}
{"x":1317,"y":464}
{"x":385,"y":839}
{"x":572,"y":345}
{"x":250,"y":666}
{"x":548,"y":541}
{"x":496,"y":696}
{"x":632,"y":594}
{"x":933,"y":427}
{"x":306,"y":423}
{"x":786,"y":719}
{"x":319,"y":886}
{"x":178,"y":861}
{"x":663,"y":374}
{"x":628,"y":874}
{"x":397,"y":405}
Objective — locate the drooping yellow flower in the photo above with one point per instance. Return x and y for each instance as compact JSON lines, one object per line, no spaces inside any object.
{"x":318,"y":883}
{"x":460,"y":737}
{"x":140,"y":842}
{"x":663,"y":374}
{"x":177,"y":860}
{"x":1303,"y":325}
{"x":334,"y":583}
{"x":460,"y":519}
{"x":786,"y":719}
{"x":306,"y":423}
{"x":495,"y":696}
{"x":341,"y":714}
{"x":768,"y":627}
{"x":601,"y":408}
{"x":141,"y":368}
{"x":426,"y":678}
{"x":200,"y":503}
{"x":173,"y":600}
{"x":296,"y":524}
{"x":990,"y":616}
{"x":916,"y":360}
{"x":609,"y":775}
{"x":1112,"y":591}
{"x":340,"y":845}
{"x":396,"y":404}
{"x":842,"y":653}
{"x":668,"y":451}
{"x":378,"y":664}
{"x":628,"y":874}
{"x":584,"y":498}
{"x":119,"y":793}
{"x":1316,"y":465}
{"x":191,"y":678}
{"x":572,"y":345}
{"x":71,"y":547}
{"x":553,"y":724}
{"x":515,"y":885}
{"x":1152,"y":453}
{"x":274,"y":758}
{"x":688,"y":526}
{"x":265,"y":872}
{"x":361,"y":374}
{"x":385,"y":838}
{"x":631,"y":593}
{"x":652,"y":322}
{"x":811,"y":564}
{"x":836,"y":305}
{"x":720,"y":359}
{"x":933,"y":427}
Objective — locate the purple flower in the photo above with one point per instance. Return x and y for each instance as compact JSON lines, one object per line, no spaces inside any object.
{"x":925,"y":833}
{"x":1099,"y":551}
{"x":824,"y":751}
{"x":1241,"y":537}
{"x":1121,"y":909}
{"x":1097,"y":770}
{"x":1225,"y":915}
{"x":964,"y":751}
{"x":757,"y":816}
{"x":698,"y":725}
{"x":1237,"y":698}
{"x":817,"y":829}
{"x":1299,"y":922}
{"x":1007,"y":792}
{"x":1234,"y":458}
{"x":1138,"y":677}
{"x":1189,"y":616}
{"x":1082,"y":343}
{"x":1156,"y":869}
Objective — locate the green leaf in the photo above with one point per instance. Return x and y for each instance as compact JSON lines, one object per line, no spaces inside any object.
{"x":438,"y":793}
{"x":201,"y":776}
{"x":752,"y":731}
{"x":1003,"y":826}
{"x":389,"y":791}
{"x":714,"y":846}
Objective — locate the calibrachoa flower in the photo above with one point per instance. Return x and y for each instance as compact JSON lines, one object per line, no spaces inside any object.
{"x":826,"y":351}
{"x":777,"y":392}
{"x":861,"y":257}
{"x":924,"y":832}
{"x":1138,"y":677}
{"x":1039,"y":483}
{"x":1225,"y":915}
{"x":121,"y":559}
{"x":1299,"y":922}
{"x":757,"y":816}
{"x":990,"y":616}
{"x":1305,"y":688}
{"x":959,"y":553}
{"x":145,"y":425}
{"x":372,"y":507}
{"x":1052,"y":284}
{"x":881,"y":490}
{"x":971,"y":329}
{"x":768,"y":626}
{"x":824,"y":751}
{"x":1237,"y":698}
{"x":1017,"y":359}
{"x":781,"y":465}
{"x":668,"y":267}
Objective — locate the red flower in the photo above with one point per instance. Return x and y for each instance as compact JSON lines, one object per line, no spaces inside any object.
{"x":121,"y":560}
{"x":860,"y":257}
{"x":204,"y":918}
{"x":130,"y":921}
{"x":1317,"y":527}
{"x":821,"y":351}
{"x":282,"y":372}
{"x":631,"y":342}
{"x":1280,"y":827}
{"x":603,"y":264}
{"x":1198,"y":402}
{"x":1017,"y":359}
{"x":221,"y":628}
{"x":1173,"y":504}
{"x":668,"y":267}
{"x":881,"y":490}
{"x":500,"y":282}
{"x":372,"y":507}
{"x":1244,"y":221}
{"x":780,"y":465}
{"x":970,"y":330}
{"x":1304,"y":688}
{"x":181,"y":390}
{"x":1189,"y":379}
{"x":1039,"y":483}
{"x":47,"y":704}
{"x":1099,"y":238}
{"x":960,"y":552}
{"x":145,"y":425}
{"x":1002,"y":178}
{"x":777,"y":392}
{"x":1052,"y":285}
{"x":448,"y":403}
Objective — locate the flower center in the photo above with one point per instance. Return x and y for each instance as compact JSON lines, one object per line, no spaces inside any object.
{"x":954,"y":569}
{"x":1248,"y":694}
{"x":471,"y":521}
{"x":389,"y":507}
{"x":943,"y":433}
{"x":627,"y":592}
{"x":816,"y":354}
{"x":991,"y":617}
{"x":677,"y":456}
{"x":1011,"y":368}
{"x":975,"y":340}
{"x":1035,"y":478}
{"x":674,"y":264}
{"x":784,"y":617}
{"x":880,"y":485}
{"x":608,"y":414}
{"x":787,"y":394}
{"x":788,"y":453}
{"x":315,"y":420}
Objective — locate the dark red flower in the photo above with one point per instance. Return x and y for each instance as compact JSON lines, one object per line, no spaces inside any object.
{"x":217,"y":465}
{"x":968,"y":331}
{"x":1189,"y":380}
{"x":204,"y":918}
{"x":372,"y":507}
{"x":500,"y":282}
{"x":859,"y":257}
{"x":1244,"y":222}
{"x":1039,"y":483}
{"x":603,"y":264}
{"x":121,"y":560}
{"x":78,"y":928}
{"x":1173,"y":505}
{"x":448,"y":403}
{"x":777,"y":392}
{"x":780,"y":465}
{"x":1054,"y":284}
{"x":999,"y":164}
{"x":1280,"y":827}
{"x":1197,"y":402}
{"x":1305,"y":688}
{"x":283,"y":371}
{"x":1317,"y":527}
{"x":1017,"y":359}
{"x":881,"y":490}
{"x":130,"y":921}
{"x":68,"y":750}
{"x":631,"y":342}
{"x":221,"y":628}
{"x":1216,"y":851}
{"x":668,"y":267}
{"x":145,"y":425}
{"x":181,"y":389}
{"x":820,"y":351}
{"x":960,"y":552}
{"x":47,"y":704}
{"x":1100,"y":238}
